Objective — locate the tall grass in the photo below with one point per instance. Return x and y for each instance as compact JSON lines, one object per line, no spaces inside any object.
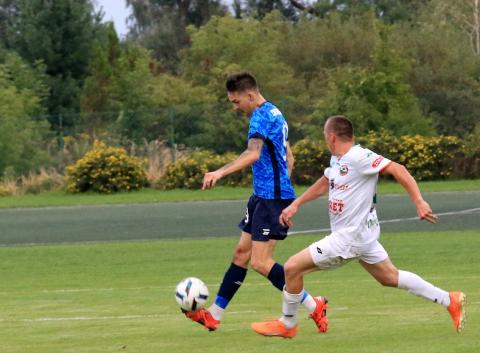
{"x":45,"y":180}
{"x":156,"y":154}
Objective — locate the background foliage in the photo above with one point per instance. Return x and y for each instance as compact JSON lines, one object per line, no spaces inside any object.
{"x":426,"y":157}
{"x":106,"y":169}
{"x":409,"y":68}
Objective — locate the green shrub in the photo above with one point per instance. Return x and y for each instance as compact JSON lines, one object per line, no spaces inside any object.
{"x":5,"y":191}
{"x":188,"y":171}
{"x":311,"y":159}
{"x":426,"y":157}
{"x":106,"y":169}
{"x":469,"y":165}
{"x":381,"y":142}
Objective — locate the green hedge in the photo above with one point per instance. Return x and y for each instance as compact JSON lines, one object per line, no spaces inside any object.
{"x":426,"y":157}
{"x":311,"y":159}
{"x":107,"y":169}
{"x":188,"y":171}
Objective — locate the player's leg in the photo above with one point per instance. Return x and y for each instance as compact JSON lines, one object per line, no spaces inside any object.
{"x":321,"y":255}
{"x":286,"y":326}
{"x":262,"y":261}
{"x":294,"y":293}
{"x":266,"y":231}
{"x":388,"y":275}
{"x":233,"y":277}
{"x":232,"y":280}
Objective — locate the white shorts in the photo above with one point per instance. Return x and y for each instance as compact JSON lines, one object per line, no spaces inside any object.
{"x":331,"y":252}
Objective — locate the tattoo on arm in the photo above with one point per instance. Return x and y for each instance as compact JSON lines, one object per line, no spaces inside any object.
{"x":255,"y":145}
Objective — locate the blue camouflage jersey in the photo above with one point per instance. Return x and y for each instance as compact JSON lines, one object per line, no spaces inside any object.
{"x":270,"y":171}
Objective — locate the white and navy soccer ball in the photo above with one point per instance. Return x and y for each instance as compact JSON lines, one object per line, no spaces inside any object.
{"x":191,"y":294}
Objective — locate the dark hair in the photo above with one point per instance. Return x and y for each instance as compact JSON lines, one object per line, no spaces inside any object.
{"x":240,"y":82}
{"x":340,"y":126}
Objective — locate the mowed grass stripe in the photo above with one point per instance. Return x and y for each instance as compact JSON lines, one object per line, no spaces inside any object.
{"x":218,"y":193}
{"x":131,"y":286}
{"x":205,"y":219}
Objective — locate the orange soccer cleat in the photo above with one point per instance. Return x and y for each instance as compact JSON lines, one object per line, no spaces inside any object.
{"x":274,"y":328}
{"x":457,"y":309}
{"x":320,"y":314}
{"x":203,"y":317}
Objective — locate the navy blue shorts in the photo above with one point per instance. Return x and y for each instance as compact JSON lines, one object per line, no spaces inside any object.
{"x":261,"y":219}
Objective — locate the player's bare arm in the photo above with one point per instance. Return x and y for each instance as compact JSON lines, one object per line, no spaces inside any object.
{"x":290,"y":159}
{"x":247,"y":158}
{"x":319,"y":188}
{"x":404,"y":178}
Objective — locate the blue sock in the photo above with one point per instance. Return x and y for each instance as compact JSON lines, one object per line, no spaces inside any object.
{"x":232,"y":280}
{"x":277,"y":276}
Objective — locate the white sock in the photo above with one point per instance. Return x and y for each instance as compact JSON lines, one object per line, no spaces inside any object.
{"x":416,"y":285}
{"x":216,"y":311}
{"x":289,"y":308}
{"x":308,"y":302}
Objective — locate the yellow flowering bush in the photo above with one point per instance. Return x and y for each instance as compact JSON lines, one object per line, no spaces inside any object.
{"x":106,"y":169}
{"x":4,"y":191}
{"x":188,"y":171}
{"x":311,"y":159}
{"x":426,"y":157}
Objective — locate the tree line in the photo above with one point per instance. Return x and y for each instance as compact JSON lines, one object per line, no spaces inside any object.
{"x":408,"y":67}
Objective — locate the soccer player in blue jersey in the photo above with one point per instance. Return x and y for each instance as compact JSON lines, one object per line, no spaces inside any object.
{"x":269,"y":154}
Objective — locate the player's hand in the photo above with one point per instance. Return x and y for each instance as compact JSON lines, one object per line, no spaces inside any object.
{"x":425,"y":212}
{"x":210,"y":179}
{"x":285,"y":218}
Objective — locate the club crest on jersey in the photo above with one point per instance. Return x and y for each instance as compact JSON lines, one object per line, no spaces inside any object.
{"x":343,"y":170}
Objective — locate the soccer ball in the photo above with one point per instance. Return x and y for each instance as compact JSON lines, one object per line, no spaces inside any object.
{"x":191,"y":294}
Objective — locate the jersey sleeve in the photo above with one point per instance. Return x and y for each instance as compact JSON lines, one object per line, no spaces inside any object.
{"x":327,"y":172}
{"x":258,"y":126}
{"x":371,"y":163}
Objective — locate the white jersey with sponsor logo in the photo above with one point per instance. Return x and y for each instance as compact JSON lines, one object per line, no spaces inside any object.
{"x":353,"y":183}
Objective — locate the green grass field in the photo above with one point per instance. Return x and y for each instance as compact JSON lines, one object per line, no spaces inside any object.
{"x":119,"y":297}
{"x":218,"y":193}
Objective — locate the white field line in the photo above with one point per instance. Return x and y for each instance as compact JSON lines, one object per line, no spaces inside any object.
{"x":394,"y":220}
{"x":127,"y":317}
{"x":135,"y":317}
{"x":171,"y":287}
{"x":121,"y":317}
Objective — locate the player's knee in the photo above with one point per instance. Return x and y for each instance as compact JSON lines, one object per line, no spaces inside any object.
{"x":259,"y":266}
{"x":291,"y":268}
{"x":241,"y":256}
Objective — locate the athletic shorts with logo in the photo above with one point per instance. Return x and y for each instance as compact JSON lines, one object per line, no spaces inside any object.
{"x":262,"y":218}
{"x":337,"y":249}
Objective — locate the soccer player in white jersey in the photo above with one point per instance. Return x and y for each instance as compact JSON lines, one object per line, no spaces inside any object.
{"x":351,"y":182}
